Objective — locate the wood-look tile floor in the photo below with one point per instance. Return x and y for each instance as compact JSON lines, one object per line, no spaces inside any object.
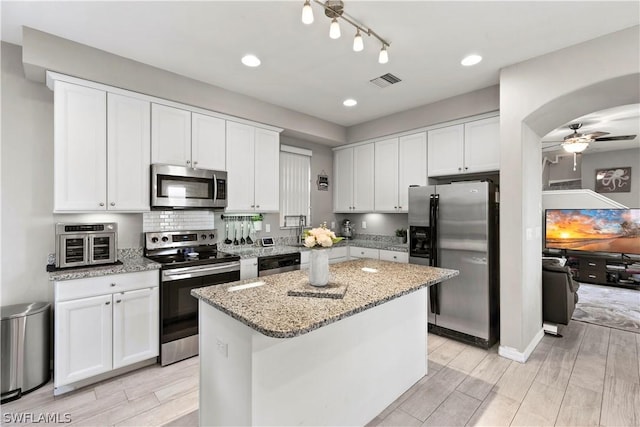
{"x":588,"y":377}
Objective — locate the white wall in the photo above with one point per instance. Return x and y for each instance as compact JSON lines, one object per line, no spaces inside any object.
{"x":536,"y":96}
{"x":611,"y":159}
{"x":27,"y":183}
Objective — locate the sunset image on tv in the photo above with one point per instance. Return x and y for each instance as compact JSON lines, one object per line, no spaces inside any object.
{"x":594,"y":230}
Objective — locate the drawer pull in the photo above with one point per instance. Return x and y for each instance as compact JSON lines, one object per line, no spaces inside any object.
{"x":113,"y":284}
{"x":119,"y":301}
{"x":591,"y":276}
{"x":395,"y":257}
{"x":592,"y":264}
{"x":107,"y":303}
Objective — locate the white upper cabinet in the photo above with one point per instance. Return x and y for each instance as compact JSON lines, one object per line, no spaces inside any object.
{"x":482,"y":145}
{"x":80,"y":148}
{"x":446,"y":150}
{"x":399,"y":163}
{"x":354,"y":172}
{"x":412,"y":166}
{"x":386,"y":175}
{"x":208,"y":142}
{"x":252,"y":168}
{"x":465,"y":148}
{"x":267,"y":167}
{"x":185,"y":138}
{"x":170,"y":135}
{"x":343,"y":172}
{"x":129,"y":153}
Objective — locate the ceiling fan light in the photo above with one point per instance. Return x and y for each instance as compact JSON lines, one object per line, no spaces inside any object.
{"x":575,"y":147}
{"x":358,"y":43}
{"x":307,"y":13}
{"x":383,"y":58}
{"x":334,"y":29}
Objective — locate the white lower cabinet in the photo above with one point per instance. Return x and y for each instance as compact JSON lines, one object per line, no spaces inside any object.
{"x":339,"y":254}
{"x":248,"y":268}
{"x":358,"y":252}
{"x":394,"y":256}
{"x":304,"y":259}
{"x":381,"y":254}
{"x":104,"y":323}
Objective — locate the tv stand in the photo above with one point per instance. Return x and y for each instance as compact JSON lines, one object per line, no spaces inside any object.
{"x":604,"y":270}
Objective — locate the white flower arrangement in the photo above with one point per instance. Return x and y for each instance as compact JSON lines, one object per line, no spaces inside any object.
{"x":320,"y":237}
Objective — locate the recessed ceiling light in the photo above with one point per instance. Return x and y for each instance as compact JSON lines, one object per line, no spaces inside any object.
{"x":470,"y":60}
{"x":349,"y":102}
{"x":250,"y":60}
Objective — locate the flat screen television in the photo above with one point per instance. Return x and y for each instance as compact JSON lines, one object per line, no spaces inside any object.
{"x":593,"y":230}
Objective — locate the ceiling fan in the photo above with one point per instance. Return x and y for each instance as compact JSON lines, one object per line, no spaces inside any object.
{"x":578,"y":142}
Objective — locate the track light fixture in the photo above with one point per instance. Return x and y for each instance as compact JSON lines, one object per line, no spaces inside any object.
{"x":334,"y":9}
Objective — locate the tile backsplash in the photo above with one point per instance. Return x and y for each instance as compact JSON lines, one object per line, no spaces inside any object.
{"x":177,"y":220}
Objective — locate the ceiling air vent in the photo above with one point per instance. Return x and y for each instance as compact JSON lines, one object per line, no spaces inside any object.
{"x":385,"y":80}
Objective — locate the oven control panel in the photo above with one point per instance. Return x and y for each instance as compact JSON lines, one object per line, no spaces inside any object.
{"x":179,"y":239}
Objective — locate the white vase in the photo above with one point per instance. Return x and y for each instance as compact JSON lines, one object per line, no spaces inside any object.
{"x":319,"y":267}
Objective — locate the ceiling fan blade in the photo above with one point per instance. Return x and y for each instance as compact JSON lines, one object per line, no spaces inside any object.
{"x":617,"y":138}
{"x":594,"y":135}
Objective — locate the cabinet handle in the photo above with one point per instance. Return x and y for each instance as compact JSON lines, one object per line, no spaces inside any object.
{"x":466,"y":168}
{"x":188,"y":162}
{"x":592,"y":264}
{"x":395,"y":207}
{"x":113,"y":284}
{"x":119,"y":301}
{"x":591,"y":276}
{"x":395,"y":257}
{"x":258,"y":206}
{"x":113,"y":203}
{"x":399,"y":207}
{"x":195,"y":163}
{"x":255,"y":263}
{"x":107,"y":303}
{"x":253,"y":206}
{"x":459,"y":169}
{"x":101,"y":204}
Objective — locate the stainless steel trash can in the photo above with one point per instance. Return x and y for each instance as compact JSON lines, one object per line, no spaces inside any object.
{"x":25,"y":348}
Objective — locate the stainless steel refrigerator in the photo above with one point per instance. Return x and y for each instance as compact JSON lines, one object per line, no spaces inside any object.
{"x":456,"y":226}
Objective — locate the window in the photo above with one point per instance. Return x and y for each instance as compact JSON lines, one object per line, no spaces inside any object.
{"x":295,"y":186}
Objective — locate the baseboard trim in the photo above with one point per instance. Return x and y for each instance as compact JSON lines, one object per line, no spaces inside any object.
{"x":521,"y":357}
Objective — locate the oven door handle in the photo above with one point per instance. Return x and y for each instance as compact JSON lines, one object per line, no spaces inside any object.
{"x":187,"y":272}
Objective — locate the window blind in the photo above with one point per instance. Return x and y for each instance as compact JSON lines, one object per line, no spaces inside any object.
{"x":295,"y":187}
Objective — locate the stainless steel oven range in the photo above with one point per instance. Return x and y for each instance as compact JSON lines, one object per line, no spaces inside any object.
{"x":190,"y":259}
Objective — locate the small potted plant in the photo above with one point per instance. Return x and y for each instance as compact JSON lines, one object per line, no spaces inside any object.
{"x":257,"y":222}
{"x":402,"y":232}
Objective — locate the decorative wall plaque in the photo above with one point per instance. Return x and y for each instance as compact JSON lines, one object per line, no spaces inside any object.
{"x":613,"y":180}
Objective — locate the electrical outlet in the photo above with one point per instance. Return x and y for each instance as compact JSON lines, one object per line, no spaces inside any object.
{"x":223,"y":348}
{"x":364,"y":224}
{"x":267,"y":228}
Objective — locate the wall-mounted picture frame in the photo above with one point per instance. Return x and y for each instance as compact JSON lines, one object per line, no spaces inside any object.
{"x":323,"y":182}
{"x":613,"y":180}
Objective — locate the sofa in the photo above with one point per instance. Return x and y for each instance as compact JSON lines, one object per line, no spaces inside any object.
{"x":559,"y":294}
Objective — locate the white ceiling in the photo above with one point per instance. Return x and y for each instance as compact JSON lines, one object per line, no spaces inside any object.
{"x":302,"y":69}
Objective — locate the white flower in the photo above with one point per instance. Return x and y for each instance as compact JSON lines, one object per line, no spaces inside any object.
{"x":320,"y":236}
{"x":310,"y":241}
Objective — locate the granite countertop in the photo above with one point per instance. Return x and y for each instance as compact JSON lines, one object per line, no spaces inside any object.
{"x":132,"y":261}
{"x":257,"y":251}
{"x":269,"y":310}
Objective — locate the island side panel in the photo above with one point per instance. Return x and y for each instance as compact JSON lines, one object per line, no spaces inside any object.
{"x":344,"y":373}
{"x":225,"y":373}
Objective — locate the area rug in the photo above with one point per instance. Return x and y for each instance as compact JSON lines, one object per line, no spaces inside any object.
{"x":617,"y":308}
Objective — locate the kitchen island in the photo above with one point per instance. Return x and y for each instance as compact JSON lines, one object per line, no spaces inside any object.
{"x":267,"y":358}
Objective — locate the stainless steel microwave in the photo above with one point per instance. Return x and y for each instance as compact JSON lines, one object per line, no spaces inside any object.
{"x":180,"y":187}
